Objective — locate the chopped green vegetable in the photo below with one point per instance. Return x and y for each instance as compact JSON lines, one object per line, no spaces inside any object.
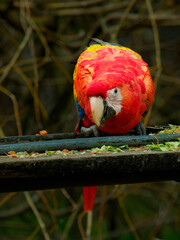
{"x":168,"y":146}
{"x":49,"y":152}
{"x":172,"y":129}
{"x":110,"y":148}
{"x":173,"y":144}
{"x":172,"y":126}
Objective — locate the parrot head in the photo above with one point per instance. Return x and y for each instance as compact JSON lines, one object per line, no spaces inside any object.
{"x":105,"y":98}
{"x":105,"y":109}
{"x":113,"y":101}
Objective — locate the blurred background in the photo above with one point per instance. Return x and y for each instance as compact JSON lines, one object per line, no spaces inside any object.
{"x":40,"y":42}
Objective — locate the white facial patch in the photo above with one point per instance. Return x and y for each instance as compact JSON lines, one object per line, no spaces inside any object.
{"x":114,"y":99}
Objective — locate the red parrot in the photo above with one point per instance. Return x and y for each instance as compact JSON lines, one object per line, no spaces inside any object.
{"x":113,"y":88}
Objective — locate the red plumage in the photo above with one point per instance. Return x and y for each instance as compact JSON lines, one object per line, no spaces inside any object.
{"x":113,"y":87}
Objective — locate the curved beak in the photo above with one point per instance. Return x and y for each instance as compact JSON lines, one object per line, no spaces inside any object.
{"x":101,"y":111}
{"x":97,"y":108}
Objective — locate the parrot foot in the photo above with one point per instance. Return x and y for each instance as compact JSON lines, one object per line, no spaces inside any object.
{"x":92,"y":130}
{"x":140,"y":129}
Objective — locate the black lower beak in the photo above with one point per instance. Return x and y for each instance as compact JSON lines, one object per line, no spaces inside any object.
{"x":108,"y":112}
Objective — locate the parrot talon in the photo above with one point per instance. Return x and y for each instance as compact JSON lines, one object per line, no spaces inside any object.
{"x":140,"y":129}
{"x":93,"y":130}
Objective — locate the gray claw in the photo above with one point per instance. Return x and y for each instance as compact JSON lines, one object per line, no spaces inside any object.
{"x":140,"y":129}
{"x":93,"y":130}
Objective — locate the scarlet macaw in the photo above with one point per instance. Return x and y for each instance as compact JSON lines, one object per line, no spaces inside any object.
{"x":113,"y":88}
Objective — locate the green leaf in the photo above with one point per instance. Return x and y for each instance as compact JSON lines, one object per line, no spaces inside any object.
{"x":171,"y":126}
{"x":49,"y":152}
{"x":124,"y":146}
{"x":172,"y":129}
{"x":110,"y":148}
{"x":173,"y":144}
{"x":163,"y":148}
{"x":153,"y":146}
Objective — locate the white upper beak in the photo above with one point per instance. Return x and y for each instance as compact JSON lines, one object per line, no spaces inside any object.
{"x":97,"y":108}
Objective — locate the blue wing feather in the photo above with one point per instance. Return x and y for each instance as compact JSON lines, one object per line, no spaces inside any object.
{"x":81,"y":111}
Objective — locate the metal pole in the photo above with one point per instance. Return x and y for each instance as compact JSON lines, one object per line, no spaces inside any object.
{"x":88,"y":143}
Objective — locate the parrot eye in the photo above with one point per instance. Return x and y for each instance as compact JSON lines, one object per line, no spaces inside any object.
{"x":114,"y":94}
{"x":115,"y":90}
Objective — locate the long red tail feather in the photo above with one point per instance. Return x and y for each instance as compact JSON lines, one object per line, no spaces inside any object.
{"x":89,"y":194}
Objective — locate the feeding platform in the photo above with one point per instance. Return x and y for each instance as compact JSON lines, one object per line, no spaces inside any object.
{"x":66,"y":168}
